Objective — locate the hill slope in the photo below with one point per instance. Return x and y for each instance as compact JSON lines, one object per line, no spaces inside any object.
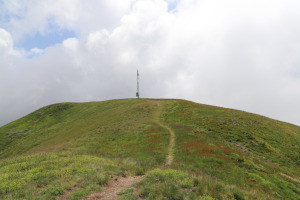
{"x":71,"y":149}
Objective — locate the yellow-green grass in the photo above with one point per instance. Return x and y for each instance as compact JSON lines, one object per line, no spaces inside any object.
{"x":48,"y":175}
{"x":220,"y":153}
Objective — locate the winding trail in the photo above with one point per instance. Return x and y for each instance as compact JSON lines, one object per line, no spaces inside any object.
{"x":170,"y":155}
{"x":118,"y":183}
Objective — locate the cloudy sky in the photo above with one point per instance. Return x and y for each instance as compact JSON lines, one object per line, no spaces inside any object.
{"x":236,"y":53}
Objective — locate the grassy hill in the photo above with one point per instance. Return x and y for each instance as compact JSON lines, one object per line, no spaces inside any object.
{"x":71,"y":150}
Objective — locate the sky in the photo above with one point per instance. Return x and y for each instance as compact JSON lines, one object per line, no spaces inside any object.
{"x":237,"y":54}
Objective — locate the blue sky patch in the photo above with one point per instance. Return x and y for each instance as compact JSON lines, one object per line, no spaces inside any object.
{"x":43,"y":41}
{"x":172,"y":4}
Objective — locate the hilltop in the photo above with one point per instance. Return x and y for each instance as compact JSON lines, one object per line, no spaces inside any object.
{"x":169,"y":149}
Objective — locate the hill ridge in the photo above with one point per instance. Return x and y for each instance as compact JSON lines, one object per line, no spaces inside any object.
{"x":181,"y":148}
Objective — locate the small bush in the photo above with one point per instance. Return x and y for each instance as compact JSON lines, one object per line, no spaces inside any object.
{"x":167,"y":184}
{"x":238,"y":196}
{"x":101,"y":179}
{"x":171,"y":175}
{"x":78,"y":194}
{"x":53,"y":190}
{"x":170,"y":191}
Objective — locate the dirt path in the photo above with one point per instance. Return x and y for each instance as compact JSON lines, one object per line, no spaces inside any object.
{"x":117,"y":183}
{"x":170,"y":155}
{"x":292,"y":178}
{"x":114,"y":186}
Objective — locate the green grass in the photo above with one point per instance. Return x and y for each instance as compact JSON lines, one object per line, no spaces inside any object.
{"x":114,"y":129}
{"x":176,"y":184}
{"x":207,"y":139}
{"x":48,"y":175}
{"x":167,"y":184}
{"x":73,"y":148}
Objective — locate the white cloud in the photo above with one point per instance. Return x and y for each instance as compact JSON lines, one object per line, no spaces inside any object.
{"x":34,"y":16}
{"x":237,"y":54}
{"x":71,"y":44}
{"x":6,"y":43}
{"x":96,"y":40}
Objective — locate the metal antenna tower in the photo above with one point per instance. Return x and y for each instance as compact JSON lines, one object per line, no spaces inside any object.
{"x":137,"y":86}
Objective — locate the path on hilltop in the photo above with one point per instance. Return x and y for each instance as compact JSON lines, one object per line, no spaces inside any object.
{"x":118,"y":183}
{"x":170,"y":155}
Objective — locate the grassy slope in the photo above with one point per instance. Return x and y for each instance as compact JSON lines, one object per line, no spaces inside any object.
{"x":241,"y":149}
{"x":94,"y":128}
{"x":227,"y":154}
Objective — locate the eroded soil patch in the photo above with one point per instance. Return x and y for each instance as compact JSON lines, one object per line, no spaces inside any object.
{"x":114,"y":186}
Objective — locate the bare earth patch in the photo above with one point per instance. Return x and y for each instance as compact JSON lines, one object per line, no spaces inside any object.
{"x":114,"y":186}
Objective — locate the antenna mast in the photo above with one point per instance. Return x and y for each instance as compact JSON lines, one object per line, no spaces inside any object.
{"x":137,"y":82}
